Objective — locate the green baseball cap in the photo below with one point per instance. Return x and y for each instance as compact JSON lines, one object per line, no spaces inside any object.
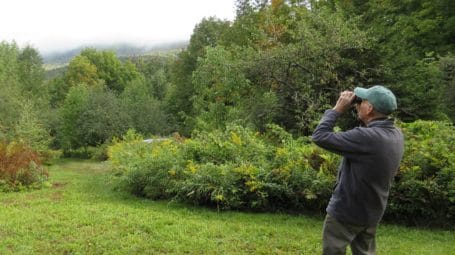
{"x":382,"y":99}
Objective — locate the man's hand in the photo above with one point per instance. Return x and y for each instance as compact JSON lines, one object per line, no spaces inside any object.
{"x":344,"y":101}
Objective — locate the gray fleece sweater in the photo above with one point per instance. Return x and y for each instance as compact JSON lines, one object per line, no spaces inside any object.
{"x":371,"y":158}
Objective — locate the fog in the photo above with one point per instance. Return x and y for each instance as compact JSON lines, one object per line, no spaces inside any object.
{"x":55,"y":26}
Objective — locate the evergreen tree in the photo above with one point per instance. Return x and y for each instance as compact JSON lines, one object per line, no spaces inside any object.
{"x":30,"y":130}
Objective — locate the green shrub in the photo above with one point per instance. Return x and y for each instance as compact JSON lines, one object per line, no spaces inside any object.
{"x":20,"y":167}
{"x":236,"y":144}
{"x":232,"y":169}
{"x":209,"y":184}
{"x":49,"y":156}
{"x":424,"y":190}
{"x":100,"y":152}
{"x":145,"y":169}
{"x":239,"y":168}
{"x":80,"y":153}
{"x":302,"y":176}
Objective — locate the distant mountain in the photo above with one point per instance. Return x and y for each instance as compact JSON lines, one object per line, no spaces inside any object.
{"x":58,"y":59}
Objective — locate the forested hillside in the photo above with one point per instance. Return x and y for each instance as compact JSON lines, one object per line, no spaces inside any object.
{"x":121,"y":50}
{"x":279,"y":64}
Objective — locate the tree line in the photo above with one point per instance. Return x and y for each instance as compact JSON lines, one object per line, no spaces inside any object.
{"x":279,"y":62}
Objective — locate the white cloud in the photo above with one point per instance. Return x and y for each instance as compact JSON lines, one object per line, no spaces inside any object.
{"x":61,"y":24}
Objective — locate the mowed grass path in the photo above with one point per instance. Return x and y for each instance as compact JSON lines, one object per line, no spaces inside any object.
{"x":80,"y":214}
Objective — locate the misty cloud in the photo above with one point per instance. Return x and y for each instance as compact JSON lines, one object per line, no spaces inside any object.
{"x":53,"y":26}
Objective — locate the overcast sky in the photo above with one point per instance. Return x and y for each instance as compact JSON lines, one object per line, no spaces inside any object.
{"x":55,"y":25}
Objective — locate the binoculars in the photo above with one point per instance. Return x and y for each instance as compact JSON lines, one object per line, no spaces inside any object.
{"x":357,"y":100}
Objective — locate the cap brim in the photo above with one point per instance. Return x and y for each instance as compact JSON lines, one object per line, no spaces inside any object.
{"x":361,"y":92}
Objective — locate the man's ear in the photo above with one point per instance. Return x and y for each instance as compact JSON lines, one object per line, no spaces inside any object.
{"x":370,"y":109}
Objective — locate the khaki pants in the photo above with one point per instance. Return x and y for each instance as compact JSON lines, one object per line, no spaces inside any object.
{"x":336,"y":236}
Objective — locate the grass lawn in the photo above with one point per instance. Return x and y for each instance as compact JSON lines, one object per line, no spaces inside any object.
{"x":80,"y":214}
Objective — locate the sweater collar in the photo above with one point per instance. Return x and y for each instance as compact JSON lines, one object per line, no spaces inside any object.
{"x":381,"y":122}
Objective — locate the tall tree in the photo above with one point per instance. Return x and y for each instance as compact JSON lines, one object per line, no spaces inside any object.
{"x":90,"y":116}
{"x":31,"y":71}
{"x":411,"y":36}
{"x":70,"y":112}
{"x":159,"y":84}
{"x":10,"y":92}
{"x":303,"y":59}
{"x":101,"y":118}
{"x":110,"y":69}
{"x":146,"y":112}
{"x":81,"y":70}
{"x":219,"y":86}
{"x":31,"y":130}
{"x":209,"y":32}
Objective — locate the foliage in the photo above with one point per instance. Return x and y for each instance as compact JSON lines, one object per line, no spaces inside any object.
{"x":110,"y":69}
{"x":70,"y":111}
{"x":424,"y":191}
{"x":106,"y":97}
{"x":295,"y":61}
{"x":219,"y":87}
{"x":9,"y":65}
{"x":145,"y":169}
{"x":178,"y":103}
{"x":90,"y":116}
{"x":411,"y":37}
{"x":31,"y":71}
{"x":238,"y":169}
{"x":146,"y":112}
{"x":20,"y":167}
{"x":92,"y":67}
{"x":306,"y":61}
{"x":10,"y":92}
{"x":101,"y":118}
{"x":98,"y":153}
{"x":291,"y":69}
{"x":157,"y":74}
{"x":81,"y":70}
{"x":159,"y":84}
{"x":58,"y":88}
{"x":241,"y":169}
{"x":232,"y":169}
{"x":31,"y":131}
{"x":22,"y":91}
{"x":207,"y":33}
{"x":448,"y":70}
{"x":425,"y":101}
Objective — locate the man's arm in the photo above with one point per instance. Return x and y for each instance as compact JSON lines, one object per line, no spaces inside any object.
{"x":338,"y":142}
{"x":341,"y":142}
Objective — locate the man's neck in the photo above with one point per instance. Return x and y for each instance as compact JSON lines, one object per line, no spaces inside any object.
{"x":374,"y":118}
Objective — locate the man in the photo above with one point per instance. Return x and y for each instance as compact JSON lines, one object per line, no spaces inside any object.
{"x":371,"y":158}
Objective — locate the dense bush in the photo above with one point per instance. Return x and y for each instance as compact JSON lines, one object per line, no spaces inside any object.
{"x":424,"y":190}
{"x":145,"y":169}
{"x":20,"y":167}
{"x":90,"y":116}
{"x":242,"y":169}
{"x":232,"y":169}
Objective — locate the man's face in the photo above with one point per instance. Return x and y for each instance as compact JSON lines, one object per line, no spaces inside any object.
{"x":363,"y":109}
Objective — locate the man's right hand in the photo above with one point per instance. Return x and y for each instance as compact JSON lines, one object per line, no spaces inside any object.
{"x":344,"y":101}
